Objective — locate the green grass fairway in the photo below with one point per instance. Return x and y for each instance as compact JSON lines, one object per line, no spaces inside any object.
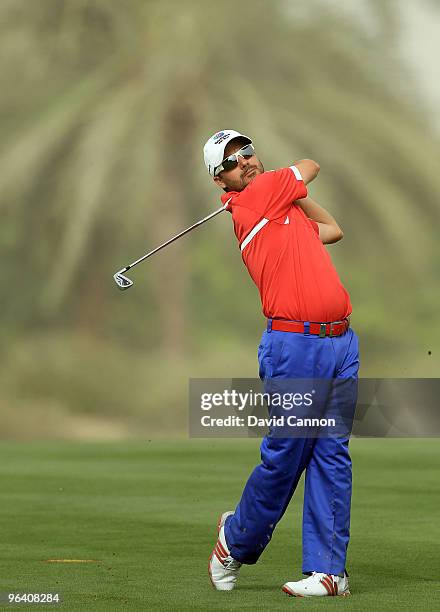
{"x":146,"y":513}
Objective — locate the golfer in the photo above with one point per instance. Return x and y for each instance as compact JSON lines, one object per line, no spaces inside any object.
{"x":281,"y":233}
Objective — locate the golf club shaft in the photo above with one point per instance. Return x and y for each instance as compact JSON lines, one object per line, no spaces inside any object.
{"x":161,"y":246}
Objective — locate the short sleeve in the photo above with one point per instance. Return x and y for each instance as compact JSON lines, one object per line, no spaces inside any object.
{"x":272,"y":194}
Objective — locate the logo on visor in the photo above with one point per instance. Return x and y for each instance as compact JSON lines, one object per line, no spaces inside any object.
{"x":219,"y":137}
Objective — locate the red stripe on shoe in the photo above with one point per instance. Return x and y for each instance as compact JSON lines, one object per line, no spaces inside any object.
{"x":327,"y":588}
{"x":222,"y":549}
{"x":328,"y":583}
{"x":217,"y":554}
{"x":220,"y":553}
{"x":289,"y":592}
{"x":332,"y":583}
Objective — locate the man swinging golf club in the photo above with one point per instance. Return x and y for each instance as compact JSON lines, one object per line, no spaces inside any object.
{"x":281,"y":232}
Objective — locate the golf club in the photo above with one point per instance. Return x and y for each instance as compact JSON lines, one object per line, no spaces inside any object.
{"x":125,"y":283}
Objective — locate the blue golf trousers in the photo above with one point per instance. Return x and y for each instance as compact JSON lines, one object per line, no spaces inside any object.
{"x":325,"y":460}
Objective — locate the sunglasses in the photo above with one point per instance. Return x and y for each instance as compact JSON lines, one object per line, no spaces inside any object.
{"x":231,"y":162}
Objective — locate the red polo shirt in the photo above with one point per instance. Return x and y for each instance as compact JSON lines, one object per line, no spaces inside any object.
{"x":282,"y":251}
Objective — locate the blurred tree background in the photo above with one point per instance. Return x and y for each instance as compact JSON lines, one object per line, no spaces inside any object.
{"x":104,"y":111}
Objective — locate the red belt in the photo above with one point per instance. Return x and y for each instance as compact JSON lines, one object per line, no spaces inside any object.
{"x":337,"y":328}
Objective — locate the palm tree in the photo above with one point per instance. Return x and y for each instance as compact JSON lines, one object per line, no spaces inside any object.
{"x":107,"y":106}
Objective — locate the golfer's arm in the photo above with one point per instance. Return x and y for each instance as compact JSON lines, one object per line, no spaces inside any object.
{"x":308,"y":168}
{"x":329,"y":230}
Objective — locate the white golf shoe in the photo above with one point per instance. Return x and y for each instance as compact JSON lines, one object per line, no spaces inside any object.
{"x":318,"y":585}
{"x":222,"y":568}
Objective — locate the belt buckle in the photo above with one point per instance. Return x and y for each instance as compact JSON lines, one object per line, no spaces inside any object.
{"x":331,"y":330}
{"x":322,"y":330}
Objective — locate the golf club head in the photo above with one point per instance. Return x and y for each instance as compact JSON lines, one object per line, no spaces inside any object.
{"x":122,"y":281}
